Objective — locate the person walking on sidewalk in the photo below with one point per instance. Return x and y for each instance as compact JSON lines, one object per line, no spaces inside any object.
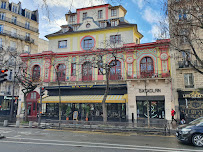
{"x":173,"y":114}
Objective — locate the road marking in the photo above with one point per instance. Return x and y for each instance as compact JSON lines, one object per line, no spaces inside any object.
{"x":103,"y":145}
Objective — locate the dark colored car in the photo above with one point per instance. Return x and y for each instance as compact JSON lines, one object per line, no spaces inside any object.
{"x":192,"y":132}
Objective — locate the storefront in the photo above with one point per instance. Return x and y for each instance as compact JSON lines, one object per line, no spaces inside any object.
{"x":155,"y":93}
{"x":191,"y":102}
{"x":87,"y":101}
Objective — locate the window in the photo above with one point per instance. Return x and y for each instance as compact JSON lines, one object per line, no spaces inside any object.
{"x":114,"y":23}
{"x":2,"y":16}
{"x":1,"y":44}
{"x":115,"y":39}
{"x":73,"y":69}
{"x":33,"y":95}
{"x":115,"y":71}
{"x":14,"y":19}
{"x":14,"y":32}
{"x":183,"y":36}
{"x":36,"y":73}
{"x":72,"y":18}
{"x":9,"y":89}
{"x":15,"y":9}
{"x":27,"y":25}
{"x":100,"y":14}
{"x":27,"y":14}
{"x":3,"y":5}
{"x":84,"y":15}
{"x":26,"y":49}
{"x":100,"y":68}
{"x":146,"y":67}
{"x":1,"y":28}
{"x":88,"y":25}
{"x":102,"y":24}
{"x":88,"y":44}
{"x":75,"y":28}
{"x":10,"y":75}
{"x":62,"y":44}
{"x":113,"y":12}
{"x":61,"y":69}
{"x":12,"y":46}
{"x":87,"y":71}
{"x":189,"y":81}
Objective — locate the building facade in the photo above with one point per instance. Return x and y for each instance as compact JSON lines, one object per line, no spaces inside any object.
{"x":18,"y":34}
{"x":100,"y":34}
{"x":186,"y":52}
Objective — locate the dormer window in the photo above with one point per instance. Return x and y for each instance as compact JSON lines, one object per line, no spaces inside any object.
{"x":3,"y":5}
{"x":100,"y":14}
{"x":27,"y":14}
{"x":14,"y":9}
{"x":114,"y":22}
{"x":113,"y":12}
{"x":72,"y":18}
{"x":75,"y":28}
{"x":102,"y":24}
{"x":64,"y":30}
{"x":84,"y":15}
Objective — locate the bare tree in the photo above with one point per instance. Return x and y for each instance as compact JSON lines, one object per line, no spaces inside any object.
{"x":185,"y":26}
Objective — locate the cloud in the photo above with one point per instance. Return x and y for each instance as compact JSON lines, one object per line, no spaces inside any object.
{"x":70,"y":4}
{"x":140,"y":3}
{"x":132,"y":21}
{"x":151,"y":15}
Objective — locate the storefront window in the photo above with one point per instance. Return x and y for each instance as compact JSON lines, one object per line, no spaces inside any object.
{"x":156,"y":109}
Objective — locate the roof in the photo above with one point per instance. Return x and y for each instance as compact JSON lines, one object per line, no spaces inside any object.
{"x":121,"y":24}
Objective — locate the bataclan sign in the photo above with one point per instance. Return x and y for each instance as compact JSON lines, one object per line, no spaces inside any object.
{"x":149,"y":90}
{"x":194,"y":94}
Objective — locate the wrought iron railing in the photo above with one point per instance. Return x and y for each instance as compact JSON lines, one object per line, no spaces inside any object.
{"x":17,"y":36}
{"x":12,"y":21}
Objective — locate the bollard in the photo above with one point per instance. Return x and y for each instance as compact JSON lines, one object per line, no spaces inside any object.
{"x":17,"y":124}
{"x":5,"y":123}
{"x":30,"y":124}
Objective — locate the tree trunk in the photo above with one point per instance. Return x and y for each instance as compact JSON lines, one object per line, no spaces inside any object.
{"x":25,"y":104}
{"x":104,"y":108}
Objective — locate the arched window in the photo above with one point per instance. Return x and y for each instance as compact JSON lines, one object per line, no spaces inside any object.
{"x":36,"y":73}
{"x":146,"y":67}
{"x":115,"y":71}
{"x":61,"y":69}
{"x":87,"y":71}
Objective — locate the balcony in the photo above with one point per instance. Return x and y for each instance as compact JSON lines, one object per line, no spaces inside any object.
{"x":23,"y":25}
{"x":17,"y":36}
{"x":144,"y":75}
{"x":185,"y":64}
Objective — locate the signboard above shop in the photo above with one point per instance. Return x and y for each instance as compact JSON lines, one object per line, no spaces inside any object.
{"x":191,"y":94}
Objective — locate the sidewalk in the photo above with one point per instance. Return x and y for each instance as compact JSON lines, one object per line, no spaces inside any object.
{"x":111,"y":127}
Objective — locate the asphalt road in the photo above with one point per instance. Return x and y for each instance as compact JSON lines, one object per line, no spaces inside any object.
{"x":39,"y":140}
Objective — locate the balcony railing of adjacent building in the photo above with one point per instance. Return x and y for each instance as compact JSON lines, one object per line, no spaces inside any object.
{"x":17,"y":36}
{"x":185,"y":64}
{"x":10,"y":20}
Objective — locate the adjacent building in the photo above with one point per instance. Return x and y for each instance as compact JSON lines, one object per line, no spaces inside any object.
{"x":19,"y":33}
{"x":186,"y":35}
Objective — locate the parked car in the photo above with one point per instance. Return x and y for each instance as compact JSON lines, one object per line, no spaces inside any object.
{"x":192,"y":132}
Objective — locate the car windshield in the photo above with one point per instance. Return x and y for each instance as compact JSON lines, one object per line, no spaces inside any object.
{"x":196,"y":121}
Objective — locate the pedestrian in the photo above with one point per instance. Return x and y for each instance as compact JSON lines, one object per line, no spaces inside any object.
{"x":182,"y":117}
{"x":173,"y":114}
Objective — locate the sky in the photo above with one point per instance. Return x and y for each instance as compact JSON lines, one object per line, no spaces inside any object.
{"x":145,"y":13}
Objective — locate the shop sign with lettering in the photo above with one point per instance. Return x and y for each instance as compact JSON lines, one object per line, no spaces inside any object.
{"x":194,"y":94}
{"x":149,"y":90}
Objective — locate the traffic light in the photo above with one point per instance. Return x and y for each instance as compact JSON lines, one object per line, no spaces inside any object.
{"x":3,"y":75}
{"x":42,"y":90}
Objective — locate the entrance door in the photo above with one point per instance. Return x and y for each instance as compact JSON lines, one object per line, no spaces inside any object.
{"x":32,"y":99}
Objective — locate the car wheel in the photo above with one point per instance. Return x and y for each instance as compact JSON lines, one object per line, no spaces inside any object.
{"x":197,"y":140}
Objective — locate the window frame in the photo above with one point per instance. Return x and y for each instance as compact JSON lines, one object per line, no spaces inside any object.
{"x":2,"y":16}
{"x":189,"y":79}
{"x":3,"y":5}
{"x":73,"y":69}
{"x":84,"y":15}
{"x":36,"y":73}
{"x":115,"y":39}
{"x":72,"y":18}
{"x":62,"y":72}
{"x":63,"y":45}
{"x":113,"y":12}
{"x":114,"y":23}
{"x":88,"y":43}
{"x":27,"y":25}
{"x":14,"y":8}
{"x":100,"y":14}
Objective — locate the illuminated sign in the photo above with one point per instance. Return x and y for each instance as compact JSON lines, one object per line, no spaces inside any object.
{"x":194,"y":94}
